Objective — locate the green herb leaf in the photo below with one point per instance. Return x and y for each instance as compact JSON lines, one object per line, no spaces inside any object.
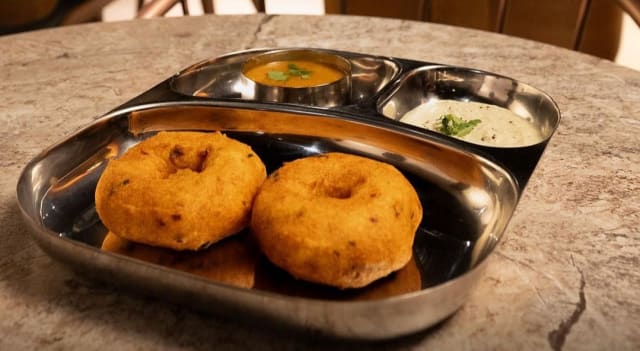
{"x":294,"y":70}
{"x":456,"y":126}
{"x":277,"y":75}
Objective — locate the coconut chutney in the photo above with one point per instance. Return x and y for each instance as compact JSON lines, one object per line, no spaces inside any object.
{"x":496,"y":126}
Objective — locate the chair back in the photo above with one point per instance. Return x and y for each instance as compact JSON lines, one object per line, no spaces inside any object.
{"x":590,"y":26}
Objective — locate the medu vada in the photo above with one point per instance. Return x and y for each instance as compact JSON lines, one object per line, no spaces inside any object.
{"x":337,"y":219}
{"x":180,"y":190}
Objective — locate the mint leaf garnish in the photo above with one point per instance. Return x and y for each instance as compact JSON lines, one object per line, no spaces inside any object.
{"x":277,"y":75}
{"x":456,"y":126}
{"x":293,"y":71}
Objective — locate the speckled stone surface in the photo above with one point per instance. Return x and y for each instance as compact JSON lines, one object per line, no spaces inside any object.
{"x":566,"y":276}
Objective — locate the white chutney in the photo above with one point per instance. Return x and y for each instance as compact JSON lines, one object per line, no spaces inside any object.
{"x":498,"y":126}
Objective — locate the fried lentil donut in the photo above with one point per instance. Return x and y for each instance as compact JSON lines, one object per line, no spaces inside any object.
{"x":337,"y":219}
{"x":180,"y":190}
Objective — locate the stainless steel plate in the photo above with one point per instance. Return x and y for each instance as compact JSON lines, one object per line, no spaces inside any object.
{"x":468,"y":195}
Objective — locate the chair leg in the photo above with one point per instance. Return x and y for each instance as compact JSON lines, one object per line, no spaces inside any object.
{"x":156,"y":8}
{"x":500,"y":17}
{"x":632,"y":8}
{"x":85,"y":12}
{"x":259,"y":4}
{"x":185,"y":7}
{"x":207,"y":6}
{"x":583,"y":12}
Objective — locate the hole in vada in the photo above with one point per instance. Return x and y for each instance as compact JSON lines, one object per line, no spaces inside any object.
{"x":176,"y":153}
{"x":338,"y":192}
{"x":202,"y":157}
{"x":181,"y":160}
{"x":343,"y":186}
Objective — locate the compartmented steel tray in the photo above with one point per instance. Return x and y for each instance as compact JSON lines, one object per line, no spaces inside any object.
{"x":468,"y":192}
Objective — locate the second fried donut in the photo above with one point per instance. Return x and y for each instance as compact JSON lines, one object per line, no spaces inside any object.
{"x":337,"y":219}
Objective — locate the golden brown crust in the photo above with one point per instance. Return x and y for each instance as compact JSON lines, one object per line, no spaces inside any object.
{"x":337,"y":219}
{"x":180,"y":190}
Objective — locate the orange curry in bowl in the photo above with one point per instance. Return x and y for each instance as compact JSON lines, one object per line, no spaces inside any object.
{"x":294,"y":74}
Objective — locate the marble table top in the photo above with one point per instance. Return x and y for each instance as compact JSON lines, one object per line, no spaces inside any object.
{"x":564,"y":277}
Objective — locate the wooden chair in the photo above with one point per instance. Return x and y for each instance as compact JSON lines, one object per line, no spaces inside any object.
{"x":156,"y":8}
{"x":591,"y":26}
{"x":17,"y":15}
